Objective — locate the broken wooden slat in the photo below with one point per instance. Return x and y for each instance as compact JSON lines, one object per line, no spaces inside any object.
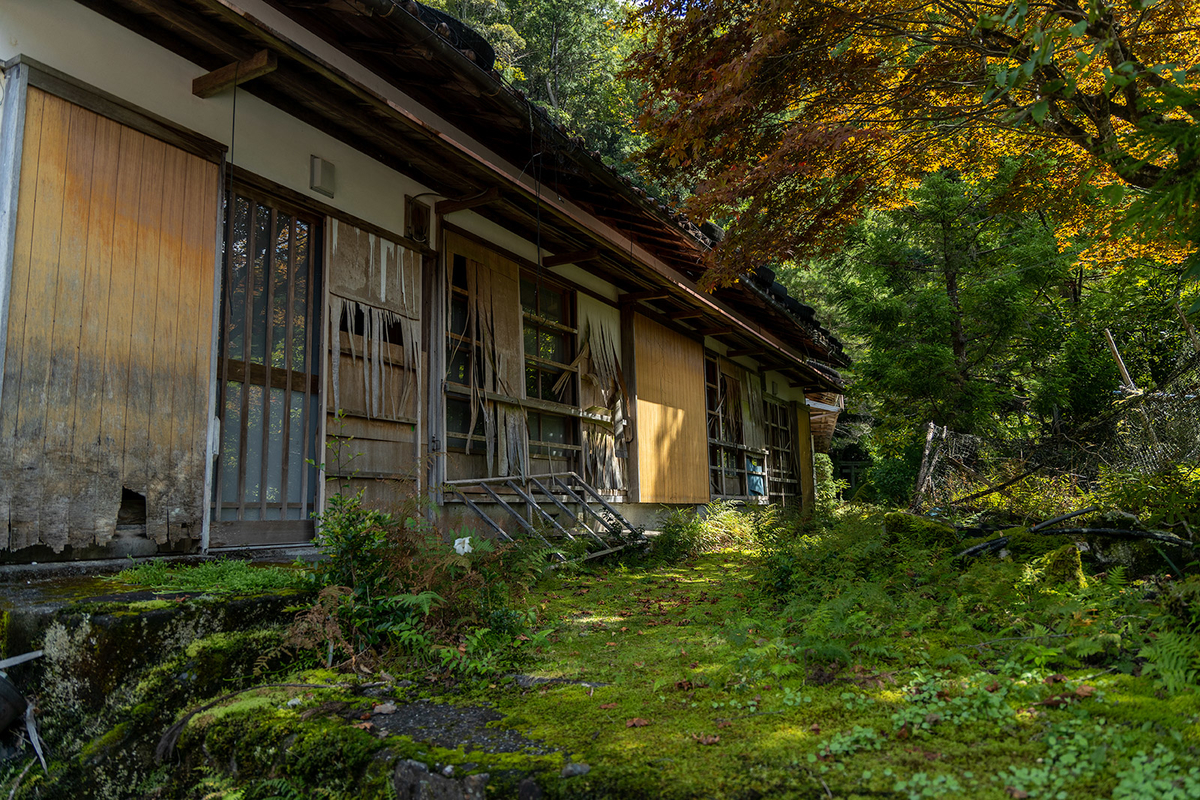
{"x":491,"y":522}
{"x":584,"y":504}
{"x":524,"y":523}
{"x":235,"y":74}
{"x":607,"y":507}
{"x":530,"y":502}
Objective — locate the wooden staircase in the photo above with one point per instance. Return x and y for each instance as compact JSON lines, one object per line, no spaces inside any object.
{"x":561,"y":507}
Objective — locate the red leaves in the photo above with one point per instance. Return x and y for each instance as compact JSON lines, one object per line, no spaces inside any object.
{"x":636,"y":722}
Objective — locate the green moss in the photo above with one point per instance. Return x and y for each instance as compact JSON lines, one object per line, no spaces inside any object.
{"x":913,"y":530}
{"x":222,"y":576}
{"x":1064,"y":568}
{"x":1022,"y":544}
{"x":105,"y":745}
{"x":1182,"y":601}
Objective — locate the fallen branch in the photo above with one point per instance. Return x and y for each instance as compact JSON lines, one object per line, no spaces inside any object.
{"x":20,"y":778}
{"x":982,"y":645}
{"x":998,"y":487}
{"x":1156,"y":536}
{"x":1063,"y":518}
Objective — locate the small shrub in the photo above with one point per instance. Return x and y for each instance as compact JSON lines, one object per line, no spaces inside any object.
{"x":393,"y":580}
{"x":721,"y":524}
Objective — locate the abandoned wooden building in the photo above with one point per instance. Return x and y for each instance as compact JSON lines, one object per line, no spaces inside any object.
{"x":236,"y":233}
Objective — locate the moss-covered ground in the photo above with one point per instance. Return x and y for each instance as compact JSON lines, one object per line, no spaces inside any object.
{"x":862,"y":661}
{"x":699,"y":700}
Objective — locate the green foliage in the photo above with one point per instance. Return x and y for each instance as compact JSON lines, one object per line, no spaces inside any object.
{"x":721,"y":524}
{"x":221,"y":576}
{"x":949,"y":296}
{"x":1160,"y":776}
{"x":1168,"y":498}
{"x":869,"y":579}
{"x":392,"y":581}
{"x":567,"y":57}
{"x":827,"y":492}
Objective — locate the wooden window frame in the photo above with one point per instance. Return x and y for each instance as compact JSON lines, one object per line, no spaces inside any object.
{"x":783,"y":479}
{"x":539,"y":448}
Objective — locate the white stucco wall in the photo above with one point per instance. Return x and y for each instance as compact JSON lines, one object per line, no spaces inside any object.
{"x":91,"y":48}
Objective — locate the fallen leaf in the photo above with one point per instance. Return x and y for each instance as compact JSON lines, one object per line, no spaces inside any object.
{"x":642,"y":633}
{"x":815,"y":728}
{"x":636,"y":722}
{"x":624,"y":629}
{"x":1057,"y":677}
{"x":639,"y":663}
{"x":706,"y":738}
{"x":1017,"y":793}
{"x":684,"y":686}
{"x":994,"y":686}
{"x":385,"y":708}
{"x":364,"y":726}
{"x":610,"y":644}
{"x":724,"y":723}
{"x":1085,"y":690}
{"x":607,"y":706}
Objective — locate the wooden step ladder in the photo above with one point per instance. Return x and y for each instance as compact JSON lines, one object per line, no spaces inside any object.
{"x":594,"y":521}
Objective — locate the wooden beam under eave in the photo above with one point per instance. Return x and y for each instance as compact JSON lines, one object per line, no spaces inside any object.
{"x":638,"y":297}
{"x":722,"y":330}
{"x":489,"y":196}
{"x":234,"y":74}
{"x":571,"y":258}
{"x":748,"y":351}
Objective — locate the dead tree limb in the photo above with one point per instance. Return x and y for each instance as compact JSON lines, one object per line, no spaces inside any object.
{"x":996,"y":488}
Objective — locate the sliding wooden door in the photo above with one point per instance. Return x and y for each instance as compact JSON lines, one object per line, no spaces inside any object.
{"x":268,"y":383}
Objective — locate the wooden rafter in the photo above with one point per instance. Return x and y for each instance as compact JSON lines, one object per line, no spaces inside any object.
{"x":450,"y":206}
{"x":571,"y":258}
{"x":234,"y":74}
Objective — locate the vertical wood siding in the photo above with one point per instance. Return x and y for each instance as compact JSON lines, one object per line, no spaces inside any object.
{"x":671,"y":428}
{"x":109,"y":332}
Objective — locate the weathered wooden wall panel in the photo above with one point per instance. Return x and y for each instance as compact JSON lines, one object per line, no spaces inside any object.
{"x":671,"y":428}
{"x":109,"y":332}
{"x":374,"y":378}
{"x":496,"y":323}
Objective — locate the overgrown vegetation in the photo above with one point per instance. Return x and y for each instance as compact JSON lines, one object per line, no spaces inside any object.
{"x":221,"y":576}
{"x":390,"y":583}
{"x":759,"y":654}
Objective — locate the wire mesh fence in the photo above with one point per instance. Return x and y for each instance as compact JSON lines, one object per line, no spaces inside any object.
{"x":1142,"y":432}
